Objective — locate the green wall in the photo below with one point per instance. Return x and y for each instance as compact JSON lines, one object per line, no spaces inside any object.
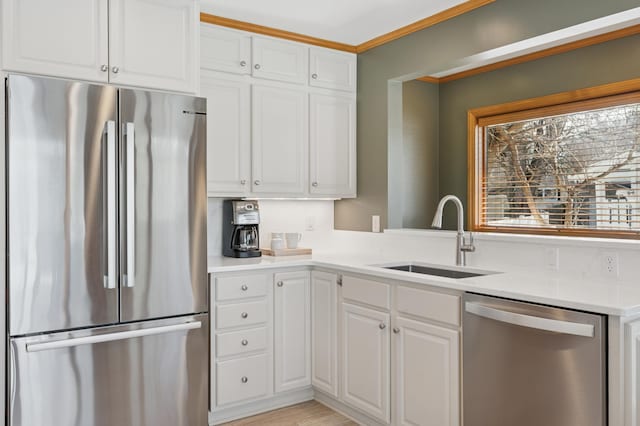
{"x":431,"y":50}
{"x":591,"y":66}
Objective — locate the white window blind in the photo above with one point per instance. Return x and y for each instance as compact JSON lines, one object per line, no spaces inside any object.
{"x":577,"y":170}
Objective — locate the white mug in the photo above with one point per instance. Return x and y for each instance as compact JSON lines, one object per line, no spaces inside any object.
{"x":277,"y":243}
{"x":277,"y":235}
{"x":293,"y":238}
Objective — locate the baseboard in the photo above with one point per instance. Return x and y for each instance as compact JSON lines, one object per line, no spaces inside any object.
{"x":355,"y":415}
{"x":251,"y":408}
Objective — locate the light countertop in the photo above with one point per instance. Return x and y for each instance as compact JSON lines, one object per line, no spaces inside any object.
{"x":546,"y":287}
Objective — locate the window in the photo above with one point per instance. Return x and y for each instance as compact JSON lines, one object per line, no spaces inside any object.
{"x":555,"y":165}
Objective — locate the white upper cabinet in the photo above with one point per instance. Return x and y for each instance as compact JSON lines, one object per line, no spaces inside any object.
{"x":154,"y":43}
{"x":280,"y":60}
{"x":332,"y":145}
{"x":64,"y":38}
{"x":143,"y":43}
{"x":224,"y":50}
{"x":280,"y":140}
{"x":228,"y":136}
{"x":332,"y":69}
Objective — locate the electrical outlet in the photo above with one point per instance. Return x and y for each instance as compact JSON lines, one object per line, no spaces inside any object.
{"x":310,"y":223}
{"x":375,"y":223}
{"x":610,"y":264}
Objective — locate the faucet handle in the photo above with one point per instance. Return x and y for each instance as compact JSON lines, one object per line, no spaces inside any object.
{"x":468,"y":247}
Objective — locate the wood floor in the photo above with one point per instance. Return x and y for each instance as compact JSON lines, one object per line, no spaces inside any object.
{"x":309,"y":413}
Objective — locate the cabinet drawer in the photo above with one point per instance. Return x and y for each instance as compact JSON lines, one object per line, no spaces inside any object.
{"x":242,"y":379}
{"x":428,"y":304}
{"x":239,"y":314}
{"x":372,"y":293}
{"x":240,"y":286}
{"x":239,"y":342}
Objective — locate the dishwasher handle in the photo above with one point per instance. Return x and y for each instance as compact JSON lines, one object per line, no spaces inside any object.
{"x":529,"y":321}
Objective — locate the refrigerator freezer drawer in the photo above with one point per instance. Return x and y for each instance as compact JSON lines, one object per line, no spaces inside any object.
{"x":151,"y":373}
{"x":242,"y":379}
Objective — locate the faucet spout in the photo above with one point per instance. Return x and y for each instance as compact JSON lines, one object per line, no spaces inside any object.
{"x":461,"y":246}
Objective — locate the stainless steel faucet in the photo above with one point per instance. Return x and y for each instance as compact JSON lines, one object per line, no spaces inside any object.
{"x":462,"y":247}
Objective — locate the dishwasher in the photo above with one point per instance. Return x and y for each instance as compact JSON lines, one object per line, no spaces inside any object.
{"x":532,"y":365}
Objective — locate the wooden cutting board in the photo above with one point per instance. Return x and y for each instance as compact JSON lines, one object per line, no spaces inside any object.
{"x":286,"y":252}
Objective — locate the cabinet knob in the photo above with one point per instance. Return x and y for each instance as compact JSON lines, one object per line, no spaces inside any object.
{"x":396,"y":330}
{"x":244,"y":315}
{"x":280,"y":284}
{"x":314,"y":184}
{"x":314,"y":76}
{"x":104,"y":68}
{"x":115,"y":70}
{"x":243,"y":63}
{"x":244,"y":342}
{"x":256,"y":182}
{"x":244,"y":287}
{"x":244,"y":379}
{"x":382,"y":326}
{"x":257,"y":66}
{"x":243,"y":182}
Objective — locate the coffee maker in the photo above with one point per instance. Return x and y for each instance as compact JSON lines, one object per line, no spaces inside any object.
{"x":240,"y":237}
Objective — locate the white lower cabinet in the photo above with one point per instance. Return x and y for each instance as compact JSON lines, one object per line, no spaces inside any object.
{"x":365,"y":360}
{"x":324,"y":332}
{"x":261,"y":341}
{"x":427,"y":363}
{"x":292,"y":330}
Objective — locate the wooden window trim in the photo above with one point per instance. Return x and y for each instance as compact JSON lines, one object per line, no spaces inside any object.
{"x":583,"y":99}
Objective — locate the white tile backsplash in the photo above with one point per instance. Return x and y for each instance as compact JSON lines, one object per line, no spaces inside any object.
{"x":579,"y":257}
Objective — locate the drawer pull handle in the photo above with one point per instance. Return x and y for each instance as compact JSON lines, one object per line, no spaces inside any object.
{"x":244,"y":315}
{"x":257,"y":66}
{"x":244,"y":342}
{"x":396,"y":330}
{"x":244,"y":287}
{"x":382,"y":326}
{"x":244,"y":379}
{"x":243,"y":63}
{"x":280,"y":283}
{"x":314,"y":76}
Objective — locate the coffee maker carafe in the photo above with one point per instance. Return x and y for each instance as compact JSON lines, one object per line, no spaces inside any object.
{"x":240,"y":236}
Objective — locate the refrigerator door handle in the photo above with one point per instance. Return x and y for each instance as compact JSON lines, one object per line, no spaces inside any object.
{"x":109,"y":337}
{"x":129,"y":277}
{"x":110,"y":279}
{"x":539,"y":323}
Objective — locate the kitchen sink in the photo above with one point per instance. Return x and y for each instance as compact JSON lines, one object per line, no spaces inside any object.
{"x":440,"y":272}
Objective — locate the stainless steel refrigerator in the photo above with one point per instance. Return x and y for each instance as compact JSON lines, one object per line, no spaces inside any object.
{"x":107,"y":275}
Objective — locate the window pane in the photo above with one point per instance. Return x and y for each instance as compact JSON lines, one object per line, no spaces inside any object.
{"x":571,"y":171}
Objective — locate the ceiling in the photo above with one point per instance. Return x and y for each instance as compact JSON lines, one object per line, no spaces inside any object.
{"x":346,"y":21}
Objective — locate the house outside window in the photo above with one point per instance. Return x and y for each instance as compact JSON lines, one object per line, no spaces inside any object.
{"x":557,"y":165}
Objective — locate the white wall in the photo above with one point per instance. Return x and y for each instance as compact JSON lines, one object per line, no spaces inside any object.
{"x":313,"y":218}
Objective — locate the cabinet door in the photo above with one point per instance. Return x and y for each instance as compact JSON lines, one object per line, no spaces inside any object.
{"x":332,"y":69}
{"x":228,"y":138}
{"x":280,"y":137}
{"x":632,"y":374}
{"x":63,"y":38}
{"x":332,"y":146}
{"x":324,"y":331}
{"x":224,"y":50}
{"x":280,"y":60}
{"x":154,"y":43}
{"x":365,"y":360}
{"x":427,"y":371}
{"x":292,"y":331}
